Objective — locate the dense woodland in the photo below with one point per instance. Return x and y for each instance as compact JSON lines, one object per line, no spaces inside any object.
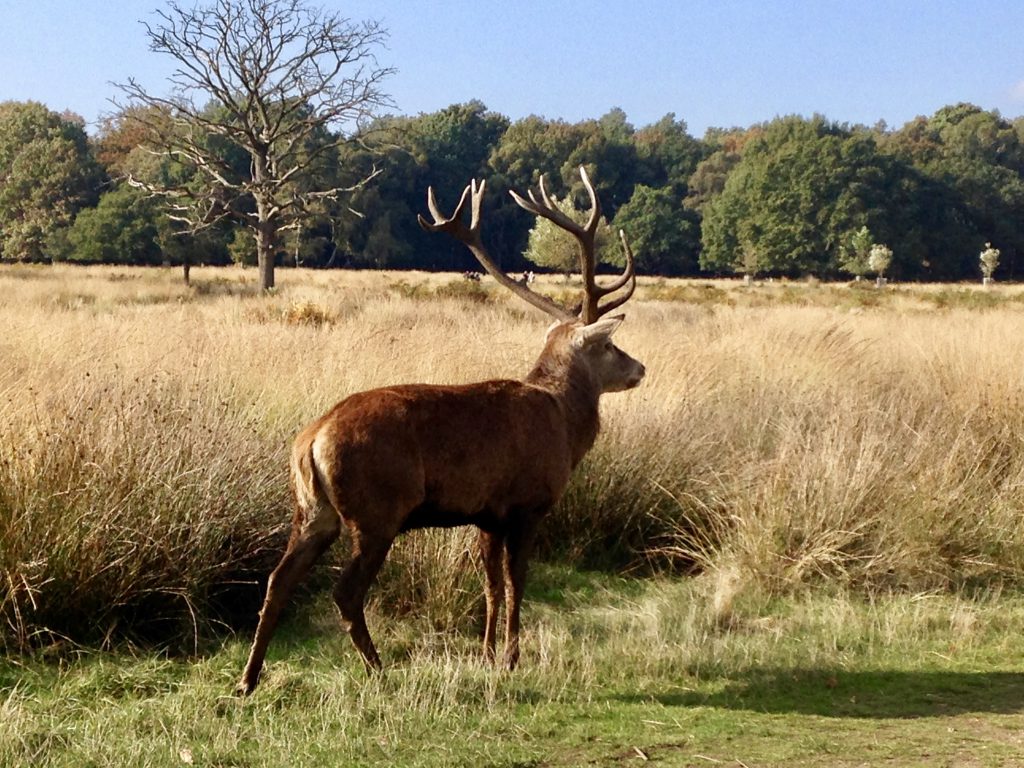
{"x":786,"y":197}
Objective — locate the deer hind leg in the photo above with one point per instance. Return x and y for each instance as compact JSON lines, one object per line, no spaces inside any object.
{"x":518,"y":546}
{"x":491,"y":551}
{"x":307,"y":543}
{"x":350,"y":591}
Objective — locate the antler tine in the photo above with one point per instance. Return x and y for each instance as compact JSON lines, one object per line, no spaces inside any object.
{"x":592,"y":291}
{"x":628,"y":277}
{"x":627,"y":274}
{"x":595,"y":203}
{"x":547,"y":208}
{"x":588,"y":255}
{"x":548,"y":202}
{"x":470,"y":237}
{"x":453,"y":224}
{"x":477,"y":204}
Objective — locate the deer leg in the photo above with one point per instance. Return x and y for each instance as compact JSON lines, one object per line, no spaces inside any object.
{"x":491,"y":548}
{"x":518,"y":544}
{"x":304,"y":548}
{"x":350,"y":593}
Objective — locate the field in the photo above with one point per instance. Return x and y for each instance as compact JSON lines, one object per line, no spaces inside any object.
{"x":800,"y":541}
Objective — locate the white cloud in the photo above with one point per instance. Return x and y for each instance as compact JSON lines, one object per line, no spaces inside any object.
{"x":1017,"y":92}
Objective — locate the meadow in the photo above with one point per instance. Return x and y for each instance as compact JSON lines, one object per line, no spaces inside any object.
{"x":800,"y":541}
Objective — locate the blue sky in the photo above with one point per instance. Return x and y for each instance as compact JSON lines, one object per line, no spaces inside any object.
{"x":711,"y":62}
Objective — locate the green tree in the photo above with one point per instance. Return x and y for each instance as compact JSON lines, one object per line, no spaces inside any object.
{"x":529,"y":148}
{"x":667,"y":155}
{"x":443,"y":149}
{"x":989,"y":261}
{"x":242,"y":247}
{"x":800,"y":187}
{"x":278,"y":81}
{"x":121,"y":229}
{"x":455,"y":143}
{"x":722,"y":152}
{"x":665,"y":238}
{"x":533,"y":146}
{"x":978,"y":157}
{"x":879,"y":259}
{"x":47,"y":173}
{"x":606,"y":146}
{"x":963,"y":186}
{"x":854,"y":254}
{"x":120,"y":141}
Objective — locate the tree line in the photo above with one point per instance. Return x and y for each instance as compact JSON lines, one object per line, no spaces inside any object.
{"x":793,"y":196}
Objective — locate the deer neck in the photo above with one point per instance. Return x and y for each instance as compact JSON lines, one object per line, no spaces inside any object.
{"x":577,"y":391}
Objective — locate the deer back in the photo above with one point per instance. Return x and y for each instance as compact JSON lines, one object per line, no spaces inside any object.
{"x":415,"y":455}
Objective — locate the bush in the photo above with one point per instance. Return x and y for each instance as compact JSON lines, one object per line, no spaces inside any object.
{"x":133,"y":511}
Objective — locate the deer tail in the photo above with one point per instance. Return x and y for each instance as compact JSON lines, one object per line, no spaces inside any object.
{"x":314,"y":506}
{"x":305,"y":478}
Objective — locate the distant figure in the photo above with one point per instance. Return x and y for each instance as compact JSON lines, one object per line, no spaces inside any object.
{"x":472,"y":276}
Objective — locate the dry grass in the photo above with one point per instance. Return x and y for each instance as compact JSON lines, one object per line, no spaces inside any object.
{"x":786,"y":435}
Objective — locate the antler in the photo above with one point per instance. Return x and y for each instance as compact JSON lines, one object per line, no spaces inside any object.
{"x":585,"y":236}
{"x":470,"y":237}
{"x":591,"y":310}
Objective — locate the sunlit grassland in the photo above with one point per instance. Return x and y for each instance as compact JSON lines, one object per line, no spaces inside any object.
{"x":827,"y":481}
{"x":780,"y":443}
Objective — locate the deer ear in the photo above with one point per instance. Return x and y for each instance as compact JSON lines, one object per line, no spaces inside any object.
{"x":551,"y":329}
{"x":598,"y":331}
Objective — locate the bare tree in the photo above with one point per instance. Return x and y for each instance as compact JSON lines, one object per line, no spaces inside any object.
{"x":284,"y":83}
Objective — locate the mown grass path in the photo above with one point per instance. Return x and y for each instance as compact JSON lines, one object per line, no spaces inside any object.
{"x":617,"y":672}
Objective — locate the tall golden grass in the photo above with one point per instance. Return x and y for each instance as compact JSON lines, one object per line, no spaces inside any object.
{"x":786,"y":436}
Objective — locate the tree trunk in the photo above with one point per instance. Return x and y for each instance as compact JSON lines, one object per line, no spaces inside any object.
{"x":266,"y":223}
{"x":266,"y":247}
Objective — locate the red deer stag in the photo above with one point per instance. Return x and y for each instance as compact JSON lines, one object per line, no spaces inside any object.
{"x":497,"y":454}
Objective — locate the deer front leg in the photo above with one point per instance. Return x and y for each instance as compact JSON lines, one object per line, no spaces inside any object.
{"x":518,"y":546}
{"x":492,"y":547}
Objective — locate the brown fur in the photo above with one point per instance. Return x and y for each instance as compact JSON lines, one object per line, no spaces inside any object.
{"x":497,"y":455}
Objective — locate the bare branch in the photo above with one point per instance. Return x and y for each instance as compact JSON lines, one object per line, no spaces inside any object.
{"x":281,"y":81}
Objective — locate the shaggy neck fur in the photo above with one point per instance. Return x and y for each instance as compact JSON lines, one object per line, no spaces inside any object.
{"x":563,"y":371}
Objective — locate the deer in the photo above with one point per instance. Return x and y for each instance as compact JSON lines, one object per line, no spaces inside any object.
{"x":496,"y":454}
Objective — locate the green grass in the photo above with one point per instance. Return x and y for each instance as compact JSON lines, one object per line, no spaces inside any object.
{"x":616,"y":672}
